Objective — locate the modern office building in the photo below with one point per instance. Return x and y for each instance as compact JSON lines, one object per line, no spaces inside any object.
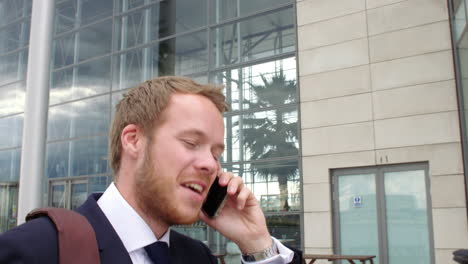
{"x":347,"y":117}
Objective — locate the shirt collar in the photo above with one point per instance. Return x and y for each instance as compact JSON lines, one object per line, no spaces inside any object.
{"x":127,"y":223}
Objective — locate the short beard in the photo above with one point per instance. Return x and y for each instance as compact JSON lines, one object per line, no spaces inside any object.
{"x":151,"y":198}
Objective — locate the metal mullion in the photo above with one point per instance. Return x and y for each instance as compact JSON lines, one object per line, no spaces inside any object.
{"x":429,"y":211}
{"x":336,"y":228}
{"x":79,"y":177}
{"x":74,"y":81}
{"x":73,"y":139}
{"x":256,"y":110}
{"x":81,"y":62}
{"x":381,"y":214}
{"x":146,"y":62}
{"x":16,"y":21}
{"x":256,"y":61}
{"x":276,"y":159}
{"x":6,"y":183}
{"x":123,"y":41}
{"x":15,"y":51}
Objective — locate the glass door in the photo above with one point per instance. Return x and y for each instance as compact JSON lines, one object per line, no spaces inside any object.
{"x":383,"y":211}
{"x":58,"y":196}
{"x":357,"y":215}
{"x":79,"y":193}
{"x":8,"y":206}
{"x":406,"y":217}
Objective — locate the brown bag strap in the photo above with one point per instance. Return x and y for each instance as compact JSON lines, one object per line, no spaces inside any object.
{"x":76,"y":238}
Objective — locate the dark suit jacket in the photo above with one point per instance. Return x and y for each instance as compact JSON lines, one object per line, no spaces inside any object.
{"x":36,"y":242}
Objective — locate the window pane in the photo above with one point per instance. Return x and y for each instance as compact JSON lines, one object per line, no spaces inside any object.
{"x":69,"y":15}
{"x":8,"y":206}
{"x":92,"y":116}
{"x":13,"y":67}
{"x":181,"y":56}
{"x":269,"y":84}
{"x":95,"y":40}
{"x":14,"y":36}
{"x":270,"y":134}
{"x":93,"y":78}
{"x":357,"y":208}
{"x":93,"y":10}
{"x":89,"y":156}
{"x":10,"y":165}
{"x":195,"y":231}
{"x":65,"y":16}
{"x":406,"y":214}
{"x":12,"y":98}
{"x":57,"y":160}
{"x":61,"y":86}
{"x":64,"y":50}
{"x":13,"y":9}
{"x":131,"y":68}
{"x":228,"y":9}
{"x":225,"y":45}
{"x":58,"y":196}
{"x":285,"y":228}
{"x":125,"y":5}
{"x":91,"y":41}
{"x":135,"y":28}
{"x":97,"y":184}
{"x":84,"y":80}
{"x":78,"y":119}
{"x":261,"y":85}
{"x":79,"y":193}
{"x":233,"y":149}
{"x":11,"y":131}
{"x":256,"y":38}
{"x":275,"y":184}
{"x":59,"y":120}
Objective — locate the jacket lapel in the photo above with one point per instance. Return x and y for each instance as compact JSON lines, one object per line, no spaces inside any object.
{"x":111,"y":248}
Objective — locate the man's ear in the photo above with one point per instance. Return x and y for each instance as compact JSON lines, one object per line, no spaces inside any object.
{"x":132,"y":140}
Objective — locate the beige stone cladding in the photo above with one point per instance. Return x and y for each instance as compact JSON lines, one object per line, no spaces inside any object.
{"x":377,"y":87}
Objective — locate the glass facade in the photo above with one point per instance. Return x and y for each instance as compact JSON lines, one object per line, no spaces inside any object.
{"x":102,"y":48}
{"x":15,"y":20}
{"x":459,"y":13}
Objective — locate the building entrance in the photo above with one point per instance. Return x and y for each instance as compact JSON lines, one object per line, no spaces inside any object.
{"x":383,"y":211}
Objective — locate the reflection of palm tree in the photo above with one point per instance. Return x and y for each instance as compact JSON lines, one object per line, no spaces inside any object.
{"x":272,"y":136}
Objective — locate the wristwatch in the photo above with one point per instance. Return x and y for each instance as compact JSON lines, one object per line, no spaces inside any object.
{"x":269,"y":252}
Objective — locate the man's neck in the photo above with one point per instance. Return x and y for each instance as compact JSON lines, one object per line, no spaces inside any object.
{"x":157,"y":225}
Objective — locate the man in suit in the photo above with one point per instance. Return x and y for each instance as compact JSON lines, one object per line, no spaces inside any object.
{"x":164,"y":144}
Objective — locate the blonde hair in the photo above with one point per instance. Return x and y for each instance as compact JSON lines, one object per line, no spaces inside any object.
{"x":143,"y":105}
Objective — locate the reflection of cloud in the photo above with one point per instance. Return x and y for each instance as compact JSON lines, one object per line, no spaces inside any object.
{"x":63,"y":94}
{"x":12,"y":101}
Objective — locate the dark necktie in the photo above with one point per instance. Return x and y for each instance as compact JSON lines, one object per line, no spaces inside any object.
{"x":158,"y":252}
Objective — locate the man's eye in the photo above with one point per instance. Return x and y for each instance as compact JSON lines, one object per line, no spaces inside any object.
{"x":190,"y":144}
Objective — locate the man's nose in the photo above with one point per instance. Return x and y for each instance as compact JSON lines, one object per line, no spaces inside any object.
{"x":206,"y":163}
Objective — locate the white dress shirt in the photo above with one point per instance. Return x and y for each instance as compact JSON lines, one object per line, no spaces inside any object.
{"x":120,"y":214}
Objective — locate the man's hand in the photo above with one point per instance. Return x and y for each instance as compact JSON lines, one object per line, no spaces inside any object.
{"x":241,"y":220}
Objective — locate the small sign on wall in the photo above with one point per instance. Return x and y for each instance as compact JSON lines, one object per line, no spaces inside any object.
{"x":357,"y":201}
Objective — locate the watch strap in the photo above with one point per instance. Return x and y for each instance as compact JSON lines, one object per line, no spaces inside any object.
{"x":269,"y":252}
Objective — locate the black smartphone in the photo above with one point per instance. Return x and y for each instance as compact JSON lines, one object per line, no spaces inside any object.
{"x":215,"y":199}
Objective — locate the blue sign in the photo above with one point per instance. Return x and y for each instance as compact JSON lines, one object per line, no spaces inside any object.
{"x":357,"y":201}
